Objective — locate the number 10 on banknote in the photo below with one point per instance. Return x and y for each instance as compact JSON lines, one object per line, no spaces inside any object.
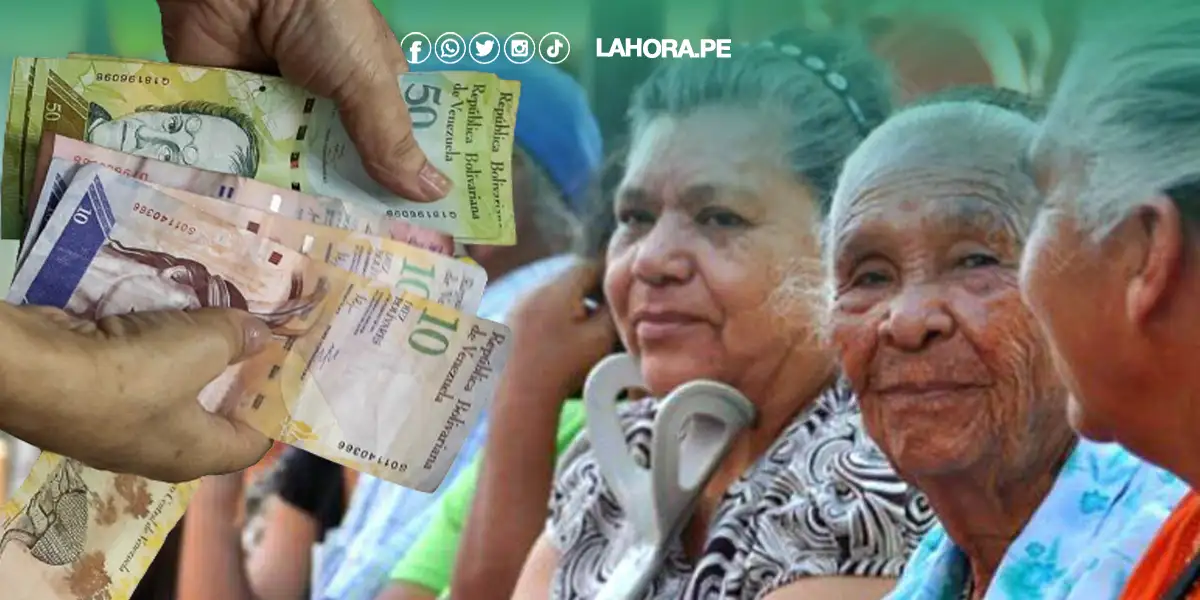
{"x":383,"y":383}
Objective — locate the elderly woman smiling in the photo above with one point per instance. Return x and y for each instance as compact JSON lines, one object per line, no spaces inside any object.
{"x":1112,"y":271}
{"x":710,"y":275}
{"x":956,"y":385}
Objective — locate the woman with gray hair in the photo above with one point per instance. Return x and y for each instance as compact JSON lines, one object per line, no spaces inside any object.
{"x":956,"y":384}
{"x":710,"y":275}
{"x":1112,"y":270}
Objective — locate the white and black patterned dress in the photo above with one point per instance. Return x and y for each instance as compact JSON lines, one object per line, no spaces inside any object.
{"x":822,"y":501}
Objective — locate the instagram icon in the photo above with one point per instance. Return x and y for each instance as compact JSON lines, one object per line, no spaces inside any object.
{"x":416,"y":48}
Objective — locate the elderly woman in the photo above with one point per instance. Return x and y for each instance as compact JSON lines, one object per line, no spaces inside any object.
{"x":956,"y":385}
{"x":1112,"y":270}
{"x":709,"y":275}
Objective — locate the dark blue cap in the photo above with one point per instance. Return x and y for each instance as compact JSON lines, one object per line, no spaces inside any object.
{"x":555,"y":125}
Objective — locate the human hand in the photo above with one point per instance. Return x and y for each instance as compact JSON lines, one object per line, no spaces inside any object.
{"x":557,"y":340}
{"x":340,"y":49}
{"x":229,"y":488}
{"x":120,"y":393}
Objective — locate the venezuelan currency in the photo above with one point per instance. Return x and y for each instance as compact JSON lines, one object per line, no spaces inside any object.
{"x":430,"y":275}
{"x":407,"y":269}
{"x":73,"y":532}
{"x":231,"y":188}
{"x":264,"y":128}
{"x":383,"y":383}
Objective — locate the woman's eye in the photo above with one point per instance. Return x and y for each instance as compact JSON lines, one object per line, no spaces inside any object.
{"x":869,"y":279}
{"x":976,"y":261}
{"x":635,"y":217}
{"x":721,"y":218}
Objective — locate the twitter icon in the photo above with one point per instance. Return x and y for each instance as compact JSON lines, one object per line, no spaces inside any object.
{"x":485,"y":48}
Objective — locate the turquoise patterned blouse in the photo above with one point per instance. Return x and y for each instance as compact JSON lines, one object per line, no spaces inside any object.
{"x":1081,"y":544}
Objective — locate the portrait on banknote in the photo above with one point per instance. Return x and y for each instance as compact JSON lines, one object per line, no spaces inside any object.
{"x":124,"y":278}
{"x":194,"y":133}
{"x":199,"y":134}
{"x":76,"y":532}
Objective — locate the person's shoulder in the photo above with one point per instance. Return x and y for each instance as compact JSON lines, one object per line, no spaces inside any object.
{"x":580,"y":490}
{"x":827,"y":445}
{"x":833,"y":416}
{"x":1106,"y":507}
{"x":931,"y":563}
{"x":840,"y":499}
{"x":1136,"y":485}
{"x":1141,"y":496}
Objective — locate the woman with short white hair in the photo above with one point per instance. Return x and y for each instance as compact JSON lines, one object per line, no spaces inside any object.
{"x":1112,"y":270}
{"x":955,"y":381}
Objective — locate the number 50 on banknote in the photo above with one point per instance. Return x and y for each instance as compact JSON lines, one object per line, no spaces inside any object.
{"x":264,"y":128}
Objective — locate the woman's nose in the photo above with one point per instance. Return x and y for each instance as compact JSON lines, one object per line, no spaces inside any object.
{"x":918,"y":318}
{"x":662,"y":256}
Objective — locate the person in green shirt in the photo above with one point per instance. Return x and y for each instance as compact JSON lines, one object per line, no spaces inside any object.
{"x":426,"y":570}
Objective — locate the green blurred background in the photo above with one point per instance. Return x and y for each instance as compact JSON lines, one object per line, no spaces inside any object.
{"x":1036,"y":30}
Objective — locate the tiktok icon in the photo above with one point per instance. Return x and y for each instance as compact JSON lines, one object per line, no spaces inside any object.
{"x":554,"y":47}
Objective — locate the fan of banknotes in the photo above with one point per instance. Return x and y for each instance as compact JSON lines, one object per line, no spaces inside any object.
{"x":141,"y":186}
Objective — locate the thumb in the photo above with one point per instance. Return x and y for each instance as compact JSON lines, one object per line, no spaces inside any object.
{"x":377,"y":119}
{"x":243,"y":334}
{"x":216,"y":444}
{"x":224,"y":445}
{"x":206,"y":340}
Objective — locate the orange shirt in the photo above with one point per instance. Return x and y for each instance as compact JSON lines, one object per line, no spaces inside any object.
{"x":1169,"y":554}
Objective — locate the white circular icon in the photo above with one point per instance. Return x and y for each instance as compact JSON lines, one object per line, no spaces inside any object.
{"x":519,"y":48}
{"x":450,"y":47}
{"x":485,"y":48}
{"x":416,"y":48}
{"x":554,"y":47}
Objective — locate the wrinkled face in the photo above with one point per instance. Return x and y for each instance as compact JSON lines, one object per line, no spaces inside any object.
{"x":708,"y":271}
{"x":201,"y":141}
{"x":928,"y":320}
{"x":1077,"y":303}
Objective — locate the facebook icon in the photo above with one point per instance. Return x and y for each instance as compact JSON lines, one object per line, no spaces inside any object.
{"x":416,"y":48}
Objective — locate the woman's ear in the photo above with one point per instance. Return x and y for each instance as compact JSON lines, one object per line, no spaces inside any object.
{"x":1156,"y":239}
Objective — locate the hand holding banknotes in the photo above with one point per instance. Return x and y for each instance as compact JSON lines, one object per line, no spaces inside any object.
{"x":120,"y":393}
{"x":340,"y":49}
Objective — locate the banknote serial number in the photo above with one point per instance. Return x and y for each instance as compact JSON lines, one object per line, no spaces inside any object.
{"x":422,"y":213}
{"x":161,"y":217}
{"x":133,"y":78}
{"x":363,"y":454}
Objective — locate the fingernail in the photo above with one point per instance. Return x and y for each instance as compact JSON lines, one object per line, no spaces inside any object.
{"x":434,"y":184}
{"x":257,"y":335}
